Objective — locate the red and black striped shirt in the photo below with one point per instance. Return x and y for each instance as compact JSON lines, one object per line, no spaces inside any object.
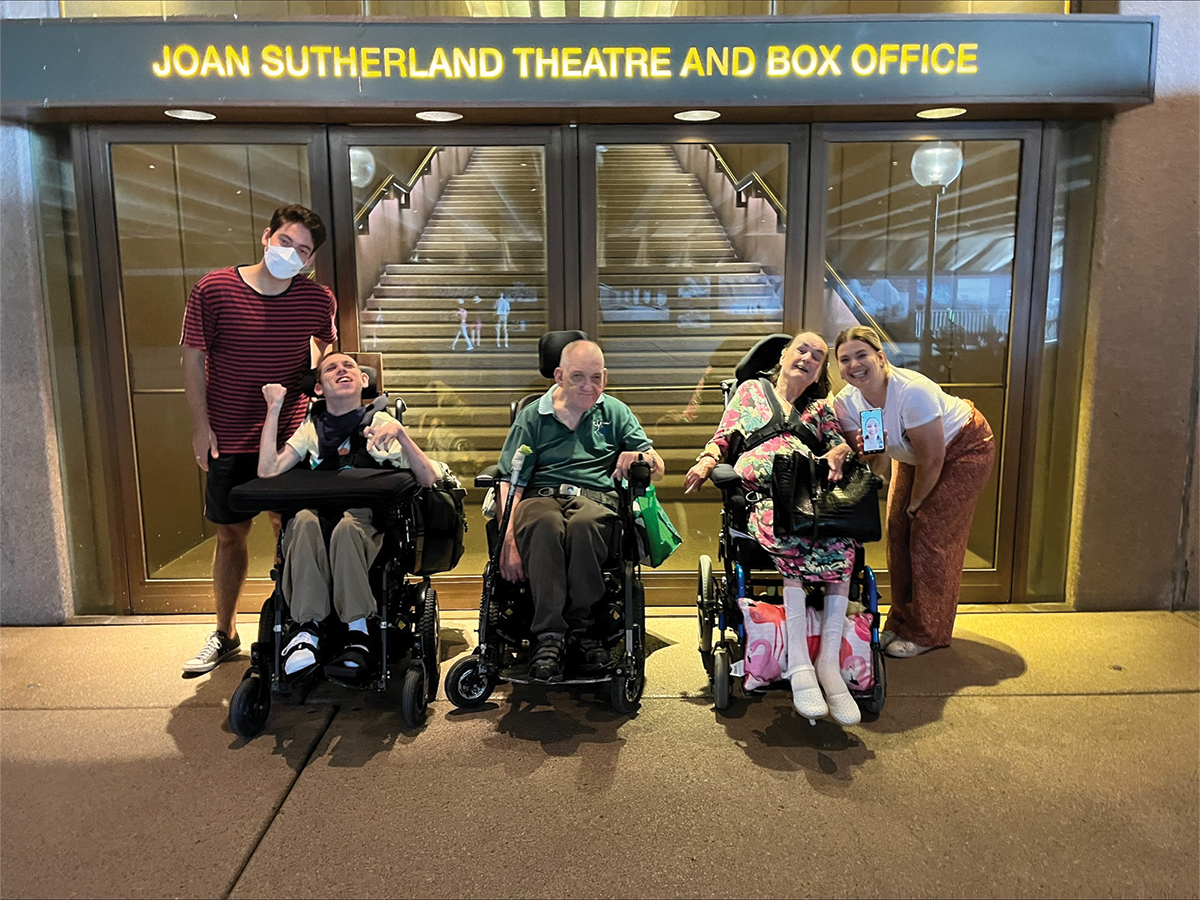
{"x":251,"y":339}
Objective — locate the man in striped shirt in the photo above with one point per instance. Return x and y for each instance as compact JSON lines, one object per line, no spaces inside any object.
{"x":246,"y":326}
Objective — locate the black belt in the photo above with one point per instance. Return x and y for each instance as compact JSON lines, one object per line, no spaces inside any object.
{"x":570,"y":491}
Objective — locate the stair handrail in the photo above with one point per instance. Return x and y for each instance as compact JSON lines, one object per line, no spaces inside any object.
{"x":391,"y":181}
{"x":752,"y":179}
{"x":890,"y":345}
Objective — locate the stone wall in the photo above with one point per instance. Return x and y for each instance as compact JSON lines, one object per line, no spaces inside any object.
{"x":1135,"y":529}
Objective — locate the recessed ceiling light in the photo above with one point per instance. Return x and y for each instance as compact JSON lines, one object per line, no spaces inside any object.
{"x":437,"y":115}
{"x":697,"y":115}
{"x":941,"y":112}
{"x":193,"y":115}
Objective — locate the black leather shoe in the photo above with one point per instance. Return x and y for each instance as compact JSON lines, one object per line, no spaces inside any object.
{"x":546,"y":663}
{"x":590,"y":655}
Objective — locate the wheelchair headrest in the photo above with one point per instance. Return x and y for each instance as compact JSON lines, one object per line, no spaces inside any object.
{"x":308,"y":383}
{"x":550,"y":348}
{"x":762,"y":357}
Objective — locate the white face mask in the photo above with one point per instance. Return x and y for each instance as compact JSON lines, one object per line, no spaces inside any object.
{"x":282,"y":262}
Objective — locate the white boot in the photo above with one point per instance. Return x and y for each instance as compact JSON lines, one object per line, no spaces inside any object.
{"x":829,"y":673}
{"x":806,"y":691}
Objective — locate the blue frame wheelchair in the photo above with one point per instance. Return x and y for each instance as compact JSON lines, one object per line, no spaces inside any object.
{"x":407,"y":629}
{"x":747,"y":570}
{"x":506,"y":609}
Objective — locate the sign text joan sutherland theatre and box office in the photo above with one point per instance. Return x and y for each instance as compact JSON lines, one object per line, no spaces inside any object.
{"x":567,"y":63}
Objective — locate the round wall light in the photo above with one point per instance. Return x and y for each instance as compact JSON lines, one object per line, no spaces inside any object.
{"x":192,"y":115}
{"x":438,"y":115}
{"x":362,"y":166}
{"x":697,"y":115}
{"x":941,"y":112}
{"x":937,"y":163}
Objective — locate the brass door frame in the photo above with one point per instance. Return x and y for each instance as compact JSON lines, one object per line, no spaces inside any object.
{"x":669,"y":588}
{"x":145,"y":595}
{"x":978,"y":585}
{"x":571,"y":284}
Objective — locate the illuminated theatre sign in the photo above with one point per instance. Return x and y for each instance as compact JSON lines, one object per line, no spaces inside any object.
{"x":778,"y":62}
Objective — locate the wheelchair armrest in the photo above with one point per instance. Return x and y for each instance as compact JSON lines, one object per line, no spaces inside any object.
{"x":488,"y":477}
{"x":724,"y":476}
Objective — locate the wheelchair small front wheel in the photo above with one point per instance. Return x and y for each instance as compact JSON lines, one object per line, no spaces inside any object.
{"x":249,"y":706}
{"x":625,"y":691}
{"x":467,"y":682}
{"x":722,"y":678}
{"x":413,"y":706}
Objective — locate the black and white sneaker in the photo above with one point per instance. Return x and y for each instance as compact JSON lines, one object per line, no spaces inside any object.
{"x":218,"y":648}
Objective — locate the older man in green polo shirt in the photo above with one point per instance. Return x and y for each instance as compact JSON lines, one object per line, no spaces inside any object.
{"x":566,"y":506}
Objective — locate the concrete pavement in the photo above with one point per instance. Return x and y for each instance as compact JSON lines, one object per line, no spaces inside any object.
{"x":1044,"y":754}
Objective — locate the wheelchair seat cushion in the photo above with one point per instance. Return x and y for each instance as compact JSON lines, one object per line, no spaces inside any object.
{"x":339,"y":490}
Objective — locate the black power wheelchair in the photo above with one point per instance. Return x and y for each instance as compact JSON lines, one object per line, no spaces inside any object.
{"x":423,"y":534}
{"x":506,"y":609}
{"x":749,"y":572}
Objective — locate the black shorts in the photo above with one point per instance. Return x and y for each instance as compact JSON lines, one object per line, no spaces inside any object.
{"x":225,"y":473}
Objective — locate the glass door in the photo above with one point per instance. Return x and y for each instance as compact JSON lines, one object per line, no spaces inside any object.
{"x":688,"y":257}
{"x":173,"y":203}
{"x":453,"y":272}
{"x":928,"y":238}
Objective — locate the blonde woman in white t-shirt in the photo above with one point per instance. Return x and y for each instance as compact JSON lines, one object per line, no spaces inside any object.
{"x":942,"y":453}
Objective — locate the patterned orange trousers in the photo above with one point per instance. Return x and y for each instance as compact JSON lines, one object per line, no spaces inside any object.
{"x":925,"y":552}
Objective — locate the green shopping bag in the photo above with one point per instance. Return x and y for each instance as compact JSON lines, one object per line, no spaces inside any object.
{"x":657,"y":537}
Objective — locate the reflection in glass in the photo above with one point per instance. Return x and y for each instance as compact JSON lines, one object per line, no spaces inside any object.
{"x":450,"y":249}
{"x":690,"y":273}
{"x":1062,"y":363}
{"x":888,"y":239}
{"x":182,"y":211}
{"x":71,"y":324}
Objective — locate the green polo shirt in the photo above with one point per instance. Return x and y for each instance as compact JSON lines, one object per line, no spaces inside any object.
{"x":584,"y":457}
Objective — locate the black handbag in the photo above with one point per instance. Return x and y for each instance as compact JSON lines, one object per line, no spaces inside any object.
{"x":808,"y":505}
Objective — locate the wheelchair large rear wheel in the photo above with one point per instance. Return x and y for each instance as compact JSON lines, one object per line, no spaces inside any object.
{"x":872,"y":706}
{"x":413,"y":706}
{"x":250,"y":705}
{"x":468,"y":683}
{"x":430,"y":631}
{"x":704,"y":608}
{"x":722,"y":678}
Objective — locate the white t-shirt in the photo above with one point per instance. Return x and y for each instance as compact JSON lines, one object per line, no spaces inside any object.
{"x":912,"y":400}
{"x":306,"y":443}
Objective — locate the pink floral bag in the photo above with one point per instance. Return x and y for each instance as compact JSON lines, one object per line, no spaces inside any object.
{"x":765,"y":657}
{"x":854,"y":656}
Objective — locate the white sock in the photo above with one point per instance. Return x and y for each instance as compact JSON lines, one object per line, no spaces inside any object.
{"x":806,"y":691}
{"x":358,"y":625}
{"x":300,"y":658}
{"x":829,"y":671}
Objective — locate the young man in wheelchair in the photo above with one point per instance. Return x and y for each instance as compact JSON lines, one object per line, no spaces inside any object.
{"x":316,"y":577}
{"x":564,"y":512}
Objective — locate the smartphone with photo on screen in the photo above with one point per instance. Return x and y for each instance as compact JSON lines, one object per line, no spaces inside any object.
{"x":872,"y":430}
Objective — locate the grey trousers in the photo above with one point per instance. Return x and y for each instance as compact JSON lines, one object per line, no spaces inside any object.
{"x":312,"y":575}
{"x":563,"y":543}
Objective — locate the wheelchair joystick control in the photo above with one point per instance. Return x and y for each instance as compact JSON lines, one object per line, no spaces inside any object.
{"x":639,"y":474}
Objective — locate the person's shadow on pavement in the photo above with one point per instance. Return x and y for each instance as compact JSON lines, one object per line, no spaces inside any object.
{"x":936,"y":676}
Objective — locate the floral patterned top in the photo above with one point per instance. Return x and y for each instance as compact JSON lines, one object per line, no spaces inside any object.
{"x":826,"y":559}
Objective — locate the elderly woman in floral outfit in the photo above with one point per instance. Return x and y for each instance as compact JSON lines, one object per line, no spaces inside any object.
{"x":802,"y":388}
